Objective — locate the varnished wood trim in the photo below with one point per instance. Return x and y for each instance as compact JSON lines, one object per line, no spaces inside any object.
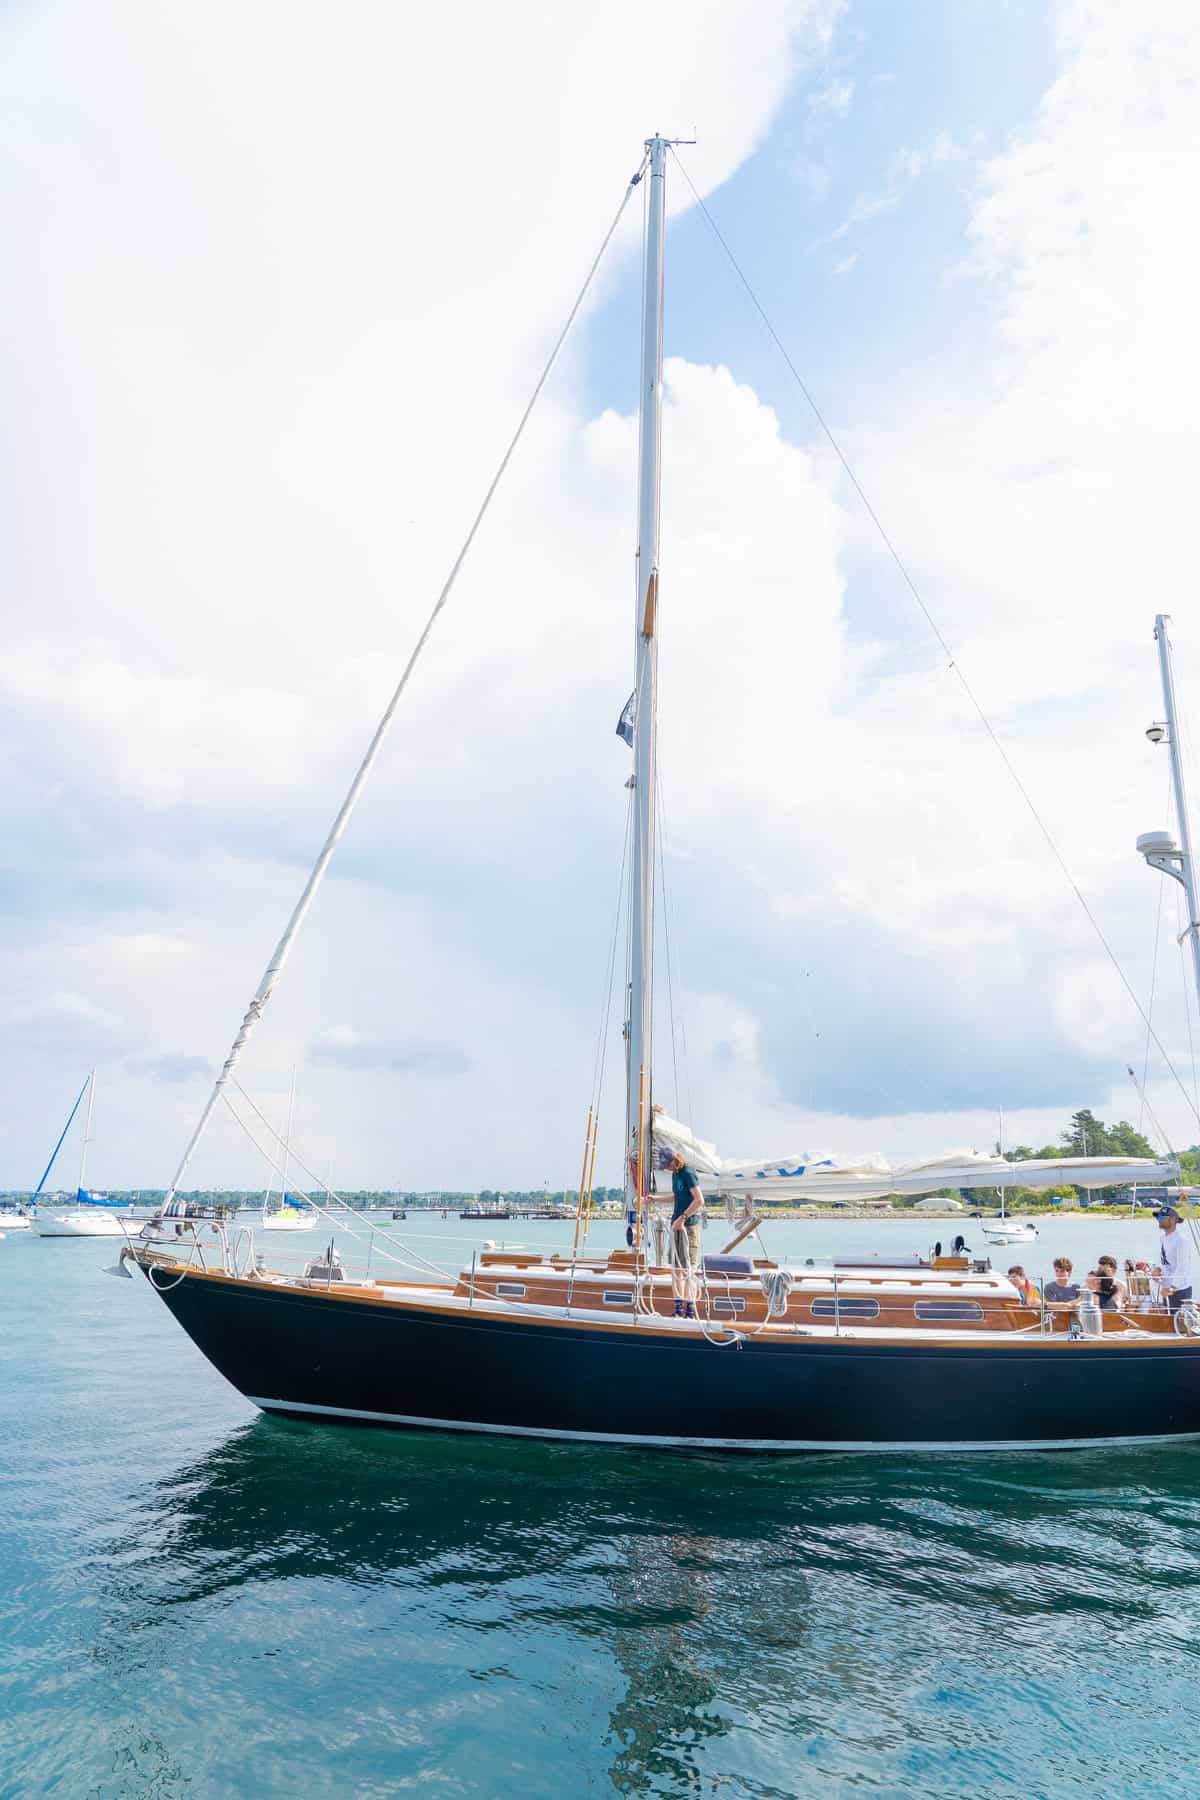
{"x":651,"y":605}
{"x":669,"y":1331}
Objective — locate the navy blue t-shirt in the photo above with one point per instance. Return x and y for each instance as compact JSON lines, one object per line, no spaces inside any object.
{"x":682,"y":1182}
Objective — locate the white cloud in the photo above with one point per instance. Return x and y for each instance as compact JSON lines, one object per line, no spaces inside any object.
{"x":65,"y":1023}
{"x":833,"y":100}
{"x":906,"y":167}
{"x":273,"y":318}
{"x":349,"y":1049}
{"x":814,"y":176}
{"x":279,"y":364}
{"x":1036,"y":478}
{"x":173,"y":1066}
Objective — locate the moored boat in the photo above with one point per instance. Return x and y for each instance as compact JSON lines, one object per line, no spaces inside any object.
{"x":1009,"y":1231}
{"x":286,"y":1217}
{"x":85,"y":1219}
{"x":282,"y":1213}
{"x":87,"y":1214}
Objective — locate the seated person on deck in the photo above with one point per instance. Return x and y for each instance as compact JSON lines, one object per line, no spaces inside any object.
{"x":1062,"y":1292}
{"x":1024,"y":1284}
{"x":1107,"y":1286}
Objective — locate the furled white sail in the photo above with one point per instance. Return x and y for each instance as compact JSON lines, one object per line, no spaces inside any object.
{"x":829,"y":1177}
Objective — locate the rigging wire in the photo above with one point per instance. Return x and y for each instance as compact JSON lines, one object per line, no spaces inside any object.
{"x":606,"y":1003}
{"x":1154,"y":1124}
{"x":601,"y":1063}
{"x":1150,"y":1006}
{"x":662,"y":888}
{"x":340,"y":1220}
{"x":667,"y":907}
{"x":1187,"y":986}
{"x":1183,"y":750}
{"x":274,"y":968}
{"x":1162,"y":887}
{"x":952,"y":662}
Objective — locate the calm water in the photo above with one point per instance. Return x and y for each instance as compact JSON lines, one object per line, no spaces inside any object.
{"x":199,"y":1601}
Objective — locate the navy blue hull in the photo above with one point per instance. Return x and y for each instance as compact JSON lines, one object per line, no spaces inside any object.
{"x":302,"y":1352}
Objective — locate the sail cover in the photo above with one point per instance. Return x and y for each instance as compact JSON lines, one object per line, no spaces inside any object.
{"x":828,"y":1177}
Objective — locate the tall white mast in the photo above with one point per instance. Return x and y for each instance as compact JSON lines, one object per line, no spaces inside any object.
{"x":1156,"y":846}
{"x":641,"y":896}
{"x":87,"y":1130}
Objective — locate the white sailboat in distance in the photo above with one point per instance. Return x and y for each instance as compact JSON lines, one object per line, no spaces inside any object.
{"x":92,"y":1215}
{"x":284,"y":1214}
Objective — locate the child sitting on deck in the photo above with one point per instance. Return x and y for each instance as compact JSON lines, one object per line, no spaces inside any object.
{"x":1024,"y":1284}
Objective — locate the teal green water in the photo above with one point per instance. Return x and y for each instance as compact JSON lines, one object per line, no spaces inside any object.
{"x":198,"y":1601}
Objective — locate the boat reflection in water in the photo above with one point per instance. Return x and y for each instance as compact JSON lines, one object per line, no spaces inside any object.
{"x":526,"y":1619}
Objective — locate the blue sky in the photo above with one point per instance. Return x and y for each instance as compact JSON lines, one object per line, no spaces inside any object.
{"x":259,"y":376}
{"x":896,"y":81}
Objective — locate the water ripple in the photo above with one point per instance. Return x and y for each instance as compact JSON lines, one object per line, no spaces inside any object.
{"x":194,"y":1601}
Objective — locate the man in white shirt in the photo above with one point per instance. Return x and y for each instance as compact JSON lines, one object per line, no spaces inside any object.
{"x":1174,"y":1270}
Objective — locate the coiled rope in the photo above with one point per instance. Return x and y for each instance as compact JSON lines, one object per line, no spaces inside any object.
{"x":776,"y":1285}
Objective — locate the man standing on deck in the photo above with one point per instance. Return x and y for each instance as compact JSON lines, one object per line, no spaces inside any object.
{"x":686,"y":1216}
{"x":1173,"y":1271}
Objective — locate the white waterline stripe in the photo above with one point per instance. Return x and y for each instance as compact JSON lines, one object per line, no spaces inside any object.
{"x":851,"y":1446}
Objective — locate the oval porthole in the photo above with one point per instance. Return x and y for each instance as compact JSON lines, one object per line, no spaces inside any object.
{"x":853,"y":1307}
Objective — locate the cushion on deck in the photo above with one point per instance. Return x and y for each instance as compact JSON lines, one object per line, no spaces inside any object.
{"x":727,"y":1265}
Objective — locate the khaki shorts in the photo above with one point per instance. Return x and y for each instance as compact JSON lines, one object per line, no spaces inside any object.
{"x":685,"y":1244}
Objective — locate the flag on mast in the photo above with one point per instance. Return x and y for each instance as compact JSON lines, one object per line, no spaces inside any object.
{"x":626,"y":721}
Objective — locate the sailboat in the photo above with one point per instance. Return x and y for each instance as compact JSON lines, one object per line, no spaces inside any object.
{"x":90,"y":1214}
{"x":874,"y":1354}
{"x":1006,"y":1229}
{"x":283,"y":1215}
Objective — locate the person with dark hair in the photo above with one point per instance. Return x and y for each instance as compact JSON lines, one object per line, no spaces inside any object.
{"x":1107,"y":1285}
{"x":687,"y":1214}
{"x":1025,"y":1286}
{"x":1062,"y":1291}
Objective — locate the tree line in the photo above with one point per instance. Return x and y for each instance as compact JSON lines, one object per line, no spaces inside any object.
{"x":1087,"y":1135}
